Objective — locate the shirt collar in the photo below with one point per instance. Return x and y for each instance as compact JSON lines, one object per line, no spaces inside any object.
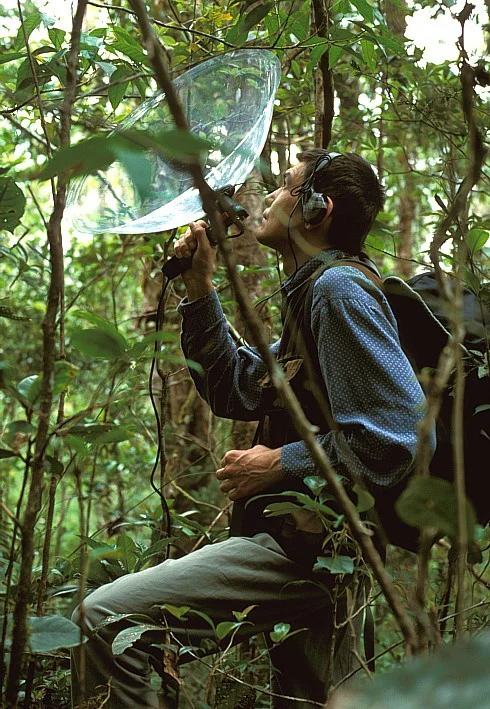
{"x":310,"y":266}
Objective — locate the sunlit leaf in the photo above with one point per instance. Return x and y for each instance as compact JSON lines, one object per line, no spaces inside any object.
{"x":31,"y":22}
{"x":49,"y":633}
{"x":98,"y":343}
{"x":280,"y":632}
{"x":12,"y":204}
{"x":335,"y":564}
{"x":476,"y":239}
{"x":127,"y":637}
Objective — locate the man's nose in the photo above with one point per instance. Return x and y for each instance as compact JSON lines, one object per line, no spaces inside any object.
{"x":270,"y":198}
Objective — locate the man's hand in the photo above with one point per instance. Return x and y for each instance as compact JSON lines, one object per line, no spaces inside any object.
{"x":250,"y":472}
{"x":195,"y":243}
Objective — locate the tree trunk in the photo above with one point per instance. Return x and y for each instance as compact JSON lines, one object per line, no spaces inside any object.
{"x":324,"y":87}
{"x":406,"y":222}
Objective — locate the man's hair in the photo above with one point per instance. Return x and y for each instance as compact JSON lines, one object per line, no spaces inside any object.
{"x":355,"y":191}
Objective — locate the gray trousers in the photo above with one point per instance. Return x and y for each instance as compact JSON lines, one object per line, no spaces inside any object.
{"x":216,"y":580}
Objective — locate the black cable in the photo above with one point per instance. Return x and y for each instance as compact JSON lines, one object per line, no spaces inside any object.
{"x":157,"y":415}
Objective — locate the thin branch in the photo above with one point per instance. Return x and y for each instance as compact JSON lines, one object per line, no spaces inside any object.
{"x":361,"y":534}
{"x":46,"y":390}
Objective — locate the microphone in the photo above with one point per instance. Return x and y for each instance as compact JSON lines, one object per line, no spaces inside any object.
{"x":232,"y":213}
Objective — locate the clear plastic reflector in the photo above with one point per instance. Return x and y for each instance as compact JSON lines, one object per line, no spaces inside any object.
{"x":229,"y":101}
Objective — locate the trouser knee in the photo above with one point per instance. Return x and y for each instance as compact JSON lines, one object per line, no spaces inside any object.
{"x":88,"y":614}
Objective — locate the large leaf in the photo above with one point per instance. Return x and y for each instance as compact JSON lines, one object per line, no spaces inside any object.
{"x":335,"y":564}
{"x":129,"y":147}
{"x":31,"y":22}
{"x":117,"y":87}
{"x":127,"y":551}
{"x":431,"y":502}
{"x":129,"y":636}
{"x":52,"y":632}
{"x":476,"y":239}
{"x":98,"y":343}
{"x":12,"y":204}
{"x":364,"y":9}
{"x":10,"y":56}
{"x":455,"y":677}
{"x":84,"y":157}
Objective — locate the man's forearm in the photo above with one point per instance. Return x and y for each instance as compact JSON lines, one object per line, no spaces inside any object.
{"x":197,"y":289}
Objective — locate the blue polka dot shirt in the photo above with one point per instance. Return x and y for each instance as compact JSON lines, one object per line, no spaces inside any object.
{"x":374,"y":394}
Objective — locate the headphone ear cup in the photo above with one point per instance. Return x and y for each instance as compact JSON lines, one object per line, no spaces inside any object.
{"x":314,"y":208}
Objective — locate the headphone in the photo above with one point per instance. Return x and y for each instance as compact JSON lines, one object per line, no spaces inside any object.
{"x":313,"y":203}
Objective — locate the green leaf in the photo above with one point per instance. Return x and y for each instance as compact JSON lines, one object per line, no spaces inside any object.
{"x":52,"y":632}
{"x":84,"y":157}
{"x":127,"y":551}
{"x":275,"y":509}
{"x":117,"y":92}
{"x":177,"y":611}
{"x":315,"y":484}
{"x":226,"y":627}
{"x":280,"y":632}
{"x":368,"y":54}
{"x":17,"y":433}
{"x":364,"y":9}
{"x":6,"y":453}
{"x":130,"y":147}
{"x":12,"y":204}
{"x":127,"y":637}
{"x":476,"y":239}
{"x":455,"y":676}
{"x":472,"y":281}
{"x":115,"y":435}
{"x":106,"y":67}
{"x":29,"y":387}
{"x":57,"y":37}
{"x":98,"y":344}
{"x":31,"y":22}
{"x":132,"y":51}
{"x":10,"y":56}
{"x":334,"y":55}
{"x":317,"y":53}
{"x":365,"y":501}
{"x":258,"y":10}
{"x":155,"y":549}
{"x":335,"y":564}
{"x":481,"y":408}
{"x":431,"y":502}
{"x":125,"y":36}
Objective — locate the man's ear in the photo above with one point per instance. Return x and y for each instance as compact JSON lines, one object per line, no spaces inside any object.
{"x":328,"y":213}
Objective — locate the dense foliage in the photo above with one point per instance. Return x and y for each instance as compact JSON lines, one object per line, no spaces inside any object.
{"x":96,"y":514}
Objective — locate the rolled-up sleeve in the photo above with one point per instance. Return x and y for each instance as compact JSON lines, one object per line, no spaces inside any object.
{"x":374,"y":394}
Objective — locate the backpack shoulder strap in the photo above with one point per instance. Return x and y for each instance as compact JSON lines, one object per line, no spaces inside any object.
{"x":366,"y":270}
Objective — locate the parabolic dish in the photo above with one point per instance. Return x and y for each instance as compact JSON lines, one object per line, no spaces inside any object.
{"x":229,"y":101}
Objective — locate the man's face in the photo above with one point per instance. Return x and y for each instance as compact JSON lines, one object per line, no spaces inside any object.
{"x":273,"y":231}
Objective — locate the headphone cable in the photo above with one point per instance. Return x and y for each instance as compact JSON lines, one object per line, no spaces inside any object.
{"x":168,"y":523}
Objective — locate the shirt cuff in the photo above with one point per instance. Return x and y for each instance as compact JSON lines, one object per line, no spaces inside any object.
{"x":296,"y":461}
{"x":191,"y":307}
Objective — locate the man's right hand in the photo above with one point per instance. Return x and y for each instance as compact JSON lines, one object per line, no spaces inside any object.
{"x":195,"y":243}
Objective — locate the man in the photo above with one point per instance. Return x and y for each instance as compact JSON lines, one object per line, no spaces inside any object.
{"x":353,"y":367}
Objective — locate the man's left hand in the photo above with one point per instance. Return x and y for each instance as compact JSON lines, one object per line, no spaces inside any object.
{"x":249,"y":472}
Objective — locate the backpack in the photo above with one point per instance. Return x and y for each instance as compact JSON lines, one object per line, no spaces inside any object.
{"x":423,"y":329}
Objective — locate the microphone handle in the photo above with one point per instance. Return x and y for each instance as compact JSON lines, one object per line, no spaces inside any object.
{"x":175,"y":266}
